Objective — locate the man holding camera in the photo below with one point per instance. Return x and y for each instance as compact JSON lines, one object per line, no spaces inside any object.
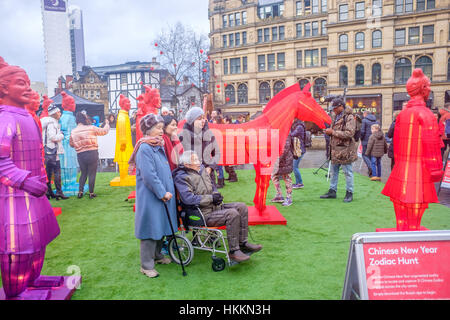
{"x":195,"y":188}
{"x":342,"y":148}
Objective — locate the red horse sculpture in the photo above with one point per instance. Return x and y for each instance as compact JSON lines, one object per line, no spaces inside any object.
{"x":261,"y":140}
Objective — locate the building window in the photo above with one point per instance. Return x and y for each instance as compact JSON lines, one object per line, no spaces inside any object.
{"x":399,"y":6}
{"x":244,"y":17}
{"x":261,"y":63}
{"x":244,"y":38}
{"x":224,"y":39}
{"x":343,"y":12}
{"x":266,"y":34}
{"x":307,"y":32}
{"x":299,"y":59}
{"x":315,"y":28}
{"x":231,"y":40}
{"x":264,"y":92}
{"x":343,"y":76}
{"x":403,"y":6}
{"x":237,"y":39}
{"x":359,"y":40}
{"x":428,"y":34}
{"x":237,"y":19}
{"x":299,"y":7}
{"x":224,"y":21}
{"x":319,"y":88}
{"x":299,"y":30}
{"x":231,"y":20}
{"x":430,"y":4}
{"x":260,"y":35}
{"x":323,"y":24}
{"x":307,"y":6}
{"x":303,"y":83}
{"x":359,"y":75}
{"x":359,"y":10}
{"x":281,"y":33}
{"x":343,"y":42}
{"x":400,"y":37}
{"x":278,"y":87}
{"x":123,"y":78}
{"x":323,"y":57}
{"x":271,"y":65}
{"x":230,"y":94}
{"x":376,"y":39}
{"x":311,"y":58}
{"x":225,"y":66}
{"x":377,"y":8}
{"x":242,"y":94}
{"x":244,"y":65}
{"x":376,"y":74}
{"x":413,"y":35}
{"x":323,"y":6}
{"x":420,"y":5}
{"x":235,"y":65}
{"x":269,"y":11}
{"x":448,"y":69}
{"x":315,"y":6}
{"x":402,"y":70}
{"x":281,"y":61}
{"x":274,"y":34}
{"x":426,"y":64}
{"x":408,"y":5}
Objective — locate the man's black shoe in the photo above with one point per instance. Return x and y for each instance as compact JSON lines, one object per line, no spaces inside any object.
{"x":330,"y":195}
{"x":348,"y":197}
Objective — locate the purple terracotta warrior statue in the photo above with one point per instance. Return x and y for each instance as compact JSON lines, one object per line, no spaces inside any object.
{"x":27,"y":221}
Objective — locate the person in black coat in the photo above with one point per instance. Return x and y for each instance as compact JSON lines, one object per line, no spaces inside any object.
{"x":367,"y":122}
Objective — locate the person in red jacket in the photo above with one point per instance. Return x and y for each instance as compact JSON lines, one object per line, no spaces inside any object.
{"x":418,"y":162}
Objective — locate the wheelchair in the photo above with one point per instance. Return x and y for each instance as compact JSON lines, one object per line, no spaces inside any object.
{"x":204,"y":238}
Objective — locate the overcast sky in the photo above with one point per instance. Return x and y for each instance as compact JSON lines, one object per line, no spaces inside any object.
{"x":115,"y":31}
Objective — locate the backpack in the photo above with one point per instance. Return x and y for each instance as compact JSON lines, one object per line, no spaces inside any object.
{"x":307,"y":140}
{"x":447,"y":128}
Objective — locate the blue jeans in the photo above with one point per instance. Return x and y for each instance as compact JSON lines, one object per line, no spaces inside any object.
{"x":298,"y":175}
{"x":376,"y":167}
{"x":219,"y":172}
{"x":366,"y":158}
{"x":348,"y":171}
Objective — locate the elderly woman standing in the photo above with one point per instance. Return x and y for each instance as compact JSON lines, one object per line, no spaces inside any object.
{"x":154,"y":185}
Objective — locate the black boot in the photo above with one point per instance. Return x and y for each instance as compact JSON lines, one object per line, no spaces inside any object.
{"x":60,"y":195}
{"x":330,"y":195}
{"x":348,"y":197}
{"x":220,"y":183}
{"x":233,"y":177}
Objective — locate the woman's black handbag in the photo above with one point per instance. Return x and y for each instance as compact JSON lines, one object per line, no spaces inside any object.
{"x":50,"y":153}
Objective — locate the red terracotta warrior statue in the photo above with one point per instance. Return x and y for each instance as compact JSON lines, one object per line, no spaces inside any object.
{"x":418,"y":162}
{"x":149,"y":102}
{"x":47,"y":102}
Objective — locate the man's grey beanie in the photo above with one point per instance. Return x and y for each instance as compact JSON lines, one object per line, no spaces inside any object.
{"x":193,"y":114}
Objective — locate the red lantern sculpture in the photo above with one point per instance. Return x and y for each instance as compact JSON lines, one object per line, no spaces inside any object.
{"x":418,"y":162}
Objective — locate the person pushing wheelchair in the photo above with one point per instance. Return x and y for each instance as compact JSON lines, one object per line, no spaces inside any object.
{"x":195,"y":188}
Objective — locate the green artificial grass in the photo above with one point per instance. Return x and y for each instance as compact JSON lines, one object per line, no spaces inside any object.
{"x":304,"y":260}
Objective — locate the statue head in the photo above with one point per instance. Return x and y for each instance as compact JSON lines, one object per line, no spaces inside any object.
{"x":47,"y":101}
{"x":68,"y":102}
{"x":124,"y":103}
{"x":152,"y":98}
{"x":35,"y":102}
{"x":15,"y":87}
{"x":418,"y":86}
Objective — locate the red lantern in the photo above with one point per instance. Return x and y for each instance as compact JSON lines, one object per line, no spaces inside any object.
{"x":218,"y":86}
{"x":156,"y":44}
{"x":152,"y":68}
{"x":141,"y":83}
{"x":225,"y":85}
{"x":228,"y":99}
{"x":161,"y":52}
{"x":178,"y":82}
{"x":203,"y":81}
{"x":201,"y":50}
{"x":218,"y":91}
{"x":193,"y":103}
{"x":217,"y":62}
{"x":175,"y":65}
{"x":193,"y":63}
{"x":204,"y":70}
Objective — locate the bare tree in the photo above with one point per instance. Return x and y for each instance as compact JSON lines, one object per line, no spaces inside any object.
{"x":183,"y":53}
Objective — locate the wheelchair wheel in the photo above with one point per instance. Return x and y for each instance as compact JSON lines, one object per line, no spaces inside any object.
{"x":186,"y":250}
{"x":218,"y":264}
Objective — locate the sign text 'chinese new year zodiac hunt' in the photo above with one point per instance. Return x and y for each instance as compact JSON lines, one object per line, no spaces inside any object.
{"x":261,"y":141}
{"x":27,"y":221}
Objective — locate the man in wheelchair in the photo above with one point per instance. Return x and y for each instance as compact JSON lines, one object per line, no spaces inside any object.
{"x":195,"y":189}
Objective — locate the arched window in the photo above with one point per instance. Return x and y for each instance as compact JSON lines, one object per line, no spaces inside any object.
{"x":376,"y":39}
{"x":320,"y":88}
{"x":264,"y":92}
{"x":359,"y":40}
{"x":303,"y":83}
{"x":242,"y":94}
{"x":277,"y":87}
{"x":230,"y":94}
{"x":402,"y":70}
{"x":343,"y":76}
{"x":426,"y":64}
{"x":376,"y":73}
{"x":359,"y":75}
{"x":343,"y":42}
